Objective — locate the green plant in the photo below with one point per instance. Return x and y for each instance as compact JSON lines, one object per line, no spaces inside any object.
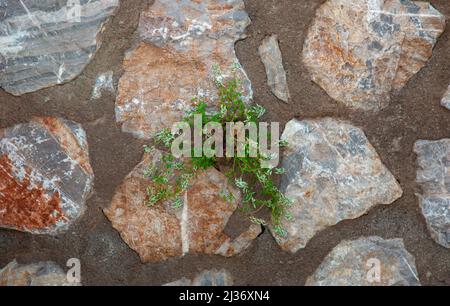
{"x":171,"y":179}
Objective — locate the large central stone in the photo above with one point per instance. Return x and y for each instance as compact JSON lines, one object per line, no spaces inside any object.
{"x":160,"y":232}
{"x":181,"y":42}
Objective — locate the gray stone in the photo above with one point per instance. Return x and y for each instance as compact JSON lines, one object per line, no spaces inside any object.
{"x":44,"y":43}
{"x":45,"y":175}
{"x":103,"y":82}
{"x":360,"y":51}
{"x":370,"y":261}
{"x":270,"y":54}
{"x":332,"y":174}
{"x":433,"y":176}
{"x":446,"y":99}
{"x":38,"y":274}
{"x":206,"y":279}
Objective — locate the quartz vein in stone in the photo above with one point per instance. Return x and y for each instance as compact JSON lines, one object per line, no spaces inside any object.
{"x":160,"y":232}
{"x":44,"y":43}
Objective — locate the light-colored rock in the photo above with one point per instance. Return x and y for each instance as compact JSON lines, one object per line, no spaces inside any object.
{"x":103,"y":82}
{"x":181,"y":43}
{"x":271,"y":56}
{"x":433,"y":176}
{"x":44,"y":43}
{"x":38,"y":274}
{"x":332,"y":174}
{"x":360,"y":51}
{"x":45,"y":175}
{"x":160,"y":232}
{"x":370,"y":261}
{"x":206,"y":279}
{"x":446,"y":99}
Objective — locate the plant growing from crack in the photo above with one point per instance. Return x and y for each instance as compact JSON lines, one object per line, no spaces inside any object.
{"x":172,"y":178}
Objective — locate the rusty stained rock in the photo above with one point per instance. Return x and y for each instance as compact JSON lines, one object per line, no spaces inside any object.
{"x":161,"y":232}
{"x":368,"y":261}
{"x":433,"y":176}
{"x":180,"y":44}
{"x":359,"y":51}
{"x":212,"y":278}
{"x":37,"y":274}
{"x":45,"y":43}
{"x":45,"y":175}
{"x":271,"y":56}
{"x":332,"y":174}
{"x":446,"y":99}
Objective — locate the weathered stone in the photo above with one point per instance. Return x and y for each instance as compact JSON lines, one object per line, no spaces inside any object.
{"x":446,"y":99}
{"x":38,"y":274}
{"x":103,"y":82}
{"x":332,"y":174}
{"x":271,"y":56}
{"x":159,"y":232}
{"x":360,"y":51}
{"x":206,"y":279}
{"x":45,"y":175}
{"x":181,"y":44}
{"x":370,"y":261}
{"x":44,"y":43}
{"x":433,"y":176}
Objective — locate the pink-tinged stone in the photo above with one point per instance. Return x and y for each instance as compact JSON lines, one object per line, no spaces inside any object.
{"x":360,"y":51}
{"x":45,"y":175}
{"x":182,"y":43}
{"x":37,"y":274}
{"x":160,"y":232}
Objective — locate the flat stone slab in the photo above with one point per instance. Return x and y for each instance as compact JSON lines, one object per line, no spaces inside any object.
{"x":360,"y":51}
{"x":45,"y":175}
{"x":433,"y":176}
{"x":371,"y":261}
{"x":37,"y":274}
{"x":161,"y":231}
{"x":45,"y":43}
{"x":212,"y":278}
{"x":182,"y":46}
{"x":446,"y":99}
{"x":271,"y":56}
{"x":332,"y":174}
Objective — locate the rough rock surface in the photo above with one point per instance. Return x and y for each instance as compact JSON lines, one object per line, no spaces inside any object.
{"x":433,"y":176}
{"x":206,"y":279}
{"x":103,"y":82}
{"x":160,"y":232}
{"x":44,"y":43}
{"x":271,"y":56}
{"x":181,"y":44}
{"x":332,"y":174}
{"x":45,"y":175}
{"x":360,"y":51}
{"x":446,"y":99}
{"x":38,"y":274}
{"x":370,"y":261}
